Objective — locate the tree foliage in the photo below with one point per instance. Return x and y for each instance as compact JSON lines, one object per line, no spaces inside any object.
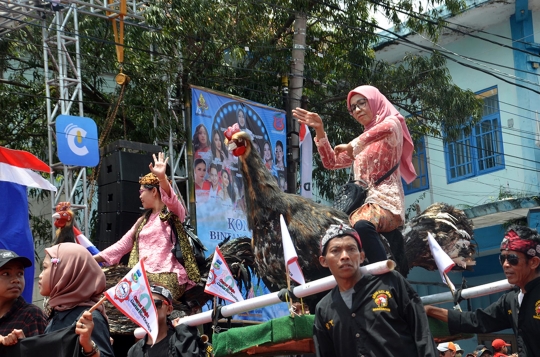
{"x":237,"y":47}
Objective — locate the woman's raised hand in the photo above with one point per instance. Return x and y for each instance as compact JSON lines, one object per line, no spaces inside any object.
{"x":310,"y":119}
{"x":159,"y":166}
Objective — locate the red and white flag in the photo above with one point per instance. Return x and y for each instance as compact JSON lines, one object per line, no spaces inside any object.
{"x":16,"y":166}
{"x":133,"y":298}
{"x":220,"y":281}
{"x":306,"y":161}
{"x":291,"y":259}
{"x":443,"y":261}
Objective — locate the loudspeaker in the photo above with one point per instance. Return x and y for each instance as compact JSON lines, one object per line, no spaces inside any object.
{"x":123,"y":166}
{"x":113,"y":226}
{"x":119,"y":196}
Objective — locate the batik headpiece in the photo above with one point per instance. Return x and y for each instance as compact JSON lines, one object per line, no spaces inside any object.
{"x":149,"y":180}
{"x":339,"y":230}
{"x":512,"y":241}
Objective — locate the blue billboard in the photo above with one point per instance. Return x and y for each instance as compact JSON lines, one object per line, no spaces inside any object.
{"x":219,"y":186}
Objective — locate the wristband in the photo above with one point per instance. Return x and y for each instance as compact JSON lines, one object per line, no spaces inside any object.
{"x":91,"y":353}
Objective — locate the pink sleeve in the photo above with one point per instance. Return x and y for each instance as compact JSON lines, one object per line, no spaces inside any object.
{"x":115,"y":252}
{"x":173,"y":204}
{"x":386,"y":127}
{"x":328,"y":156}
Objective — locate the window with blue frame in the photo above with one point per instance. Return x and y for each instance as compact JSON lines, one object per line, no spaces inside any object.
{"x":481,"y":151}
{"x":419,"y":161}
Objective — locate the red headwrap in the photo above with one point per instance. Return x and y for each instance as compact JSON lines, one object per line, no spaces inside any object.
{"x":512,"y":241}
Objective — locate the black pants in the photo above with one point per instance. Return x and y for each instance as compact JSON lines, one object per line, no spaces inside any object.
{"x":371,"y":243}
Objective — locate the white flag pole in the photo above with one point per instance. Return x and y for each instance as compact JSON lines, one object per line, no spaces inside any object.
{"x":307,"y":289}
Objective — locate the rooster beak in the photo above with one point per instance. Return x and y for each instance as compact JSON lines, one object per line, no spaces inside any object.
{"x":232,"y":145}
{"x":56,"y":216}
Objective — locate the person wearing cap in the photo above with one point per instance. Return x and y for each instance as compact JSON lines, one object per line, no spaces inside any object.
{"x":500,"y":348}
{"x":447,"y":349}
{"x":518,"y":309}
{"x":384,"y":144}
{"x":15,"y":313}
{"x":484,"y":352}
{"x":459,"y":350}
{"x":179,"y":339}
{"x":151,"y":236}
{"x":367,"y":315}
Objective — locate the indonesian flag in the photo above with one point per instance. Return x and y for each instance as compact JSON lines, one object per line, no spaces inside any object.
{"x":291,"y":259}
{"x":16,"y":166}
{"x":15,"y":175}
{"x":133,"y":298}
{"x":443,"y":261}
{"x":220,"y":281}
{"x":85,"y":242}
{"x":306,"y":161}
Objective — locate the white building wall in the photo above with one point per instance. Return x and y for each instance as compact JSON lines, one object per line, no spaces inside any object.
{"x":485,"y":188}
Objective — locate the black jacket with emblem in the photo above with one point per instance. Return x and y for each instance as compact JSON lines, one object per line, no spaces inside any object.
{"x":387,"y":319}
{"x":506,"y":313}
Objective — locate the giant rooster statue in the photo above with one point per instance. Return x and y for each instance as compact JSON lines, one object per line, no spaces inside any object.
{"x":307,"y":221}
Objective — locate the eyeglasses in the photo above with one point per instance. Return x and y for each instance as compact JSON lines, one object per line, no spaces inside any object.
{"x":159,"y":303}
{"x":360,"y":103}
{"x":512,"y":259}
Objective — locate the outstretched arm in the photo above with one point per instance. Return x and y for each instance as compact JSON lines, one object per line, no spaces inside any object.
{"x":437,"y":313}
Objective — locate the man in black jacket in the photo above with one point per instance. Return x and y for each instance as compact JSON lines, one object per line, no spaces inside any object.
{"x":518,"y":309}
{"x":367,"y":315}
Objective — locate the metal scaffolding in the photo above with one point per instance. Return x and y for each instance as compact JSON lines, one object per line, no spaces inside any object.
{"x":62,"y":71}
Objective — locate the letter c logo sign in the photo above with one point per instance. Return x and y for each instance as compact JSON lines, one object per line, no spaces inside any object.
{"x":77,"y":141}
{"x":74,"y":133}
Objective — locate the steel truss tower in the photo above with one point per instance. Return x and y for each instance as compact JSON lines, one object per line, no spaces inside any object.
{"x":62,"y":72}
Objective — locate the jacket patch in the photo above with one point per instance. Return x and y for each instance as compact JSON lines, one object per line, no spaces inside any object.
{"x":329,"y":323}
{"x":381,"y":299}
{"x":537,"y":310}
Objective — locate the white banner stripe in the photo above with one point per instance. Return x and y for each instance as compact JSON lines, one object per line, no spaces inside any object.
{"x":24,"y":177}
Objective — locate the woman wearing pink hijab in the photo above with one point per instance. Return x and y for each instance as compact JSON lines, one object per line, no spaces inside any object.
{"x":384,"y":143}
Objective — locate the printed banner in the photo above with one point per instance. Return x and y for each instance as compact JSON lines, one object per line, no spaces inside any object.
{"x":219,"y":187}
{"x":220,"y":281}
{"x":291,"y":258}
{"x":133,"y":298}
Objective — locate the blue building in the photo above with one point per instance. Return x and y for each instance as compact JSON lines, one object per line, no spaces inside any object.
{"x":492,"y":173}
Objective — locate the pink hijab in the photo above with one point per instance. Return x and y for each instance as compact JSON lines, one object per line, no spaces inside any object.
{"x":382,"y":107}
{"x":76,"y":279}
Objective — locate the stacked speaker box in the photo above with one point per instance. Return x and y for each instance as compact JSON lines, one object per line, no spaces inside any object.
{"x":119,"y":207}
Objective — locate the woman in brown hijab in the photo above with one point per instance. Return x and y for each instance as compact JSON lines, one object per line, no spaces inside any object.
{"x":74,"y":282}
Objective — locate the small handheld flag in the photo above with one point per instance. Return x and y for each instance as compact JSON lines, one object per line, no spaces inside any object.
{"x":443,"y":261}
{"x":133,"y":298}
{"x":85,"y":242}
{"x":220,"y":281}
{"x":291,"y":258}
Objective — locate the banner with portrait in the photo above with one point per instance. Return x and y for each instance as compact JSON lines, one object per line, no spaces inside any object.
{"x":219,"y":186}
